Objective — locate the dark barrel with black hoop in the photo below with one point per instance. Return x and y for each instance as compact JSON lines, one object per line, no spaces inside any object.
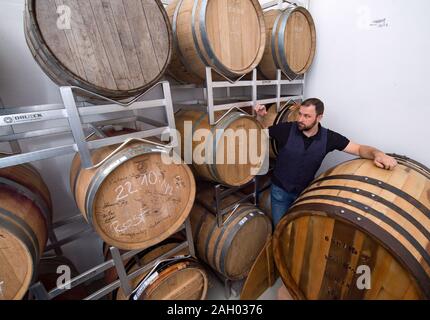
{"x":230,"y":249}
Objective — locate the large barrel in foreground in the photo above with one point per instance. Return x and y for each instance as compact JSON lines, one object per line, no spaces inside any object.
{"x":228,"y":36}
{"x":133,"y":200}
{"x":290,"y":44}
{"x":114,"y":48}
{"x":232,"y":152}
{"x":25,"y":215}
{"x":358,"y":218}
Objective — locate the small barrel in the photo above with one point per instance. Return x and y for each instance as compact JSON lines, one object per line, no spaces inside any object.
{"x":291,"y":42}
{"x":117,"y":49}
{"x":51,"y":269}
{"x":228,"y":36}
{"x":231,"y":249}
{"x":134,"y":199}
{"x":235,"y":147}
{"x":181,"y":280}
{"x":25,"y":215}
{"x":288,"y":113}
{"x":359,"y":232}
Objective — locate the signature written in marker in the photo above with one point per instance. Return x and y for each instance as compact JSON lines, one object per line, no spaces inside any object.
{"x":131,"y":223}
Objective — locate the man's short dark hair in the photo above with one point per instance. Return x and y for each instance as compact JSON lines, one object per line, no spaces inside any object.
{"x":319,"y":105}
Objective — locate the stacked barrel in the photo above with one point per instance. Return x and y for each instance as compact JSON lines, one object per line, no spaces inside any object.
{"x":116,"y":49}
{"x":25,"y":215}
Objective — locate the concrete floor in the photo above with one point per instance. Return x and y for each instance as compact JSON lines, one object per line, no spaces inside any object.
{"x":217,"y":291}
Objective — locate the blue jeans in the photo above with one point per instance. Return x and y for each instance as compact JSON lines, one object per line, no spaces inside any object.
{"x":281,"y":202}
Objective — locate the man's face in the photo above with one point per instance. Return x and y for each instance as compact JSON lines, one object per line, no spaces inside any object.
{"x":308,"y":118}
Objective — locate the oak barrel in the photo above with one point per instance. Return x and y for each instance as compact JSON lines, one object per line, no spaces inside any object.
{"x":357,"y":216}
{"x":134,"y":199}
{"x":184,"y":279}
{"x":290,"y":42}
{"x":228,"y":36}
{"x":235,"y":147}
{"x":265,"y":201}
{"x":288,"y":113}
{"x":25,"y":215}
{"x":113,"y":48}
{"x":232,"y":248}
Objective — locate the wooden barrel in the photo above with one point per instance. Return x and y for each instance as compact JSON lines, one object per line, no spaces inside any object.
{"x":49,"y":272}
{"x":25,"y":214}
{"x":114,"y":48}
{"x":112,"y":275}
{"x":231,"y":249}
{"x":215,"y":165}
{"x":288,"y":113}
{"x":265,"y":201}
{"x":357,"y":217}
{"x":228,"y":36}
{"x":290,"y":44}
{"x":134,"y":200}
{"x":264,"y":189}
{"x":181,"y":280}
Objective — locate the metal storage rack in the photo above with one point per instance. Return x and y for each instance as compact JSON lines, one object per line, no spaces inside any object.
{"x":39,"y":292}
{"x":221,"y":192}
{"x":80,"y":114}
{"x":209,"y":101}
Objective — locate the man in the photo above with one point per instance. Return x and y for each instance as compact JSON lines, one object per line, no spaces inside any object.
{"x":303,"y":146}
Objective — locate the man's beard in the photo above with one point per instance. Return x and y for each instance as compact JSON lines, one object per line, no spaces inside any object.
{"x":304,"y":128}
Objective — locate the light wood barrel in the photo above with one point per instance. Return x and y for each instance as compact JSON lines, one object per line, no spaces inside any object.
{"x":134,"y":200}
{"x":215,"y":165}
{"x":288,"y":113}
{"x":113,"y":48}
{"x":358,"y":215}
{"x":182,"y":280}
{"x":231,"y":249}
{"x":25,"y":215}
{"x":228,"y":36}
{"x":290,"y":42}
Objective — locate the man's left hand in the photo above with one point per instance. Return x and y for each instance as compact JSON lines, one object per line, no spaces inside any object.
{"x":384,"y":161}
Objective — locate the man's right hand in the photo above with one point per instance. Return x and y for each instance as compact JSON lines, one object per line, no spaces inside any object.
{"x":260,"y":110}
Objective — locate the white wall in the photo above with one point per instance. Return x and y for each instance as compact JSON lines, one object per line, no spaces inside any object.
{"x":21,"y":80}
{"x":374,"y":80}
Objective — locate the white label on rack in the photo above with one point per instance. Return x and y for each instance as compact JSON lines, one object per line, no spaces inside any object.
{"x":1,"y":289}
{"x":267,"y":82}
{"x":144,"y":285}
{"x":24,"y":118}
{"x":243,"y":221}
{"x":113,"y":165}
